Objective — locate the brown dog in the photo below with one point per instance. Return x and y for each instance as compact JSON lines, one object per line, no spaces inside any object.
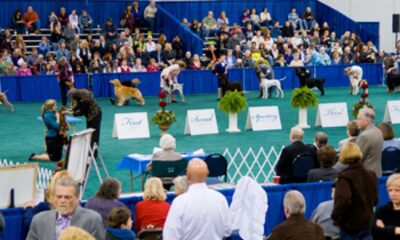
{"x":124,"y":93}
{"x":4,"y":100}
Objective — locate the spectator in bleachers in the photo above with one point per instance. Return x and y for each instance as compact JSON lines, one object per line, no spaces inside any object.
{"x":119,"y":225}
{"x":17,"y":57}
{"x":85,"y":21}
{"x":24,"y":70}
{"x":152,"y":66}
{"x":325,"y":39}
{"x":11,"y":69}
{"x":50,"y":59}
{"x":137,"y":15}
{"x":222,"y":19}
{"x":178,"y":46}
{"x":308,"y":19}
{"x":233,"y":41}
{"x":99,"y":46}
{"x":150,"y":13}
{"x":276,"y":30}
{"x":296,"y":225}
{"x":247,"y":61}
{"x":187,"y":59}
{"x":113,"y":50}
{"x":3,"y":64}
{"x":258,"y":39}
{"x":388,"y":136}
{"x":280,"y":61}
{"x":352,"y":211}
{"x":333,"y":40}
{"x":83,"y":53}
{"x":294,"y":19}
{"x":315,"y":39}
{"x":367,"y":55}
{"x":139,"y":42}
{"x":326,"y":156}
{"x":69,"y":34}
{"x":255,"y":19}
{"x":138,"y":67}
{"x":325,"y":59}
{"x":186,"y":22}
{"x":265,"y":18}
{"x":74,"y":20}
{"x":160,"y":56}
{"x":208,"y":218}
{"x":96,"y":65}
{"x":162,"y":40}
{"x":142,"y":55}
{"x":248,"y":32}
{"x":127,"y":19}
{"x":31,"y":19}
{"x":347,"y":57}
{"x":336,"y":59}
{"x":297,"y":61}
{"x":48,"y":70}
{"x":6,"y":42}
{"x":237,"y":52}
{"x":150,"y":46}
{"x":284,"y":166}
{"x":44,"y":46}
{"x":336,"y":48}
{"x":124,"y":67}
{"x":76,"y":64}
{"x":106,"y":198}
{"x":287,"y":30}
{"x":63,"y":18}
{"x":19,"y":43}
{"x":245,"y":18}
{"x":56,"y":36}
{"x":53,"y":20}
{"x":195,"y":63}
{"x":109,"y":30}
{"x":32,"y":57}
{"x":121,"y":40}
{"x":296,"y":39}
{"x":75,"y":43}
{"x":170,"y":54}
{"x":196,"y":27}
{"x":18,"y":22}
{"x":209,"y":25}
{"x":62,"y":51}
{"x":385,"y":222}
{"x":153,"y":210}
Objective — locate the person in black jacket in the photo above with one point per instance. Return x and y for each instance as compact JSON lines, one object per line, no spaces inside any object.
{"x":326,"y":157}
{"x":386,"y":220}
{"x":284,"y":167}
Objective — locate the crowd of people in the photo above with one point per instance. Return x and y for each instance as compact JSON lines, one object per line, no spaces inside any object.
{"x":301,"y":41}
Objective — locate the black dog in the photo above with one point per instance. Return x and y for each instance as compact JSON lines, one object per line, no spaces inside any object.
{"x":304,"y":75}
{"x":229,"y":86}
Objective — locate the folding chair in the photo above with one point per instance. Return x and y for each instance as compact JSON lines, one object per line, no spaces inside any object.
{"x":390,"y":160}
{"x":168,"y":170}
{"x":301,"y":165}
{"x":217,"y":167}
{"x":150,"y":234}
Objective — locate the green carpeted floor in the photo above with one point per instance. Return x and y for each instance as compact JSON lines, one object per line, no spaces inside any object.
{"x":21,"y":134}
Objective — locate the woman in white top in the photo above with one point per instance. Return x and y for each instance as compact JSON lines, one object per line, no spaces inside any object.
{"x":296,"y":62}
{"x":150,"y":15}
{"x":74,"y":20}
{"x":222,"y":19}
{"x":150,"y":45}
{"x":255,"y":19}
{"x":265,"y":18}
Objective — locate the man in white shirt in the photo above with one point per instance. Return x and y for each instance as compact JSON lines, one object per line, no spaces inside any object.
{"x":200,"y":213}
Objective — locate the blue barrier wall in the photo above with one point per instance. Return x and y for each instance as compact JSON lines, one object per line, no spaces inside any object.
{"x":314,"y":194}
{"x":41,"y":88}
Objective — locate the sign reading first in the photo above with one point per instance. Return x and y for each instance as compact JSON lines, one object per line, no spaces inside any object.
{"x":131,"y":125}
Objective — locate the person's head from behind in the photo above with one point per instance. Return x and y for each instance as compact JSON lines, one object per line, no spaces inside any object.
{"x":294,"y":203}
{"x":153,"y":190}
{"x":66,"y":196}
{"x":321,"y":139}
{"x":75,"y":233}
{"x":350,"y":153}
{"x":387,"y":131}
{"x":393,"y":188}
{"x":365,"y":117}
{"x":197,"y":171}
{"x":109,"y":189}
{"x":326,"y":156}
{"x":49,"y":106}
{"x":352,"y":129}
{"x":120,"y":218}
{"x":180,"y":185}
{"x":167,"y":142}
{"x":296,"y":134}
{"x":51,"y":187}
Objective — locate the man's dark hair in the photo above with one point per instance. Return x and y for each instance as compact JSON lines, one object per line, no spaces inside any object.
{"x":326,"y":156}
{"x":118,"y":216}
{"x":109,"y":189}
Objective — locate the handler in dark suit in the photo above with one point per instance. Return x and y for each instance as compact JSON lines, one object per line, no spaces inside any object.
{"x":284,"y":167}
{"x":370,"y":141}
{"x":49,"y":224}
{"x":320,"y":140}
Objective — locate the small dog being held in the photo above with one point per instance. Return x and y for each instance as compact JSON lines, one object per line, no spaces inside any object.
{"x":266,"y":84}
{"x":4,"y":100}
{"x":124,"y":93}
{"x":304,"y":76}
{"x":355,"y":74}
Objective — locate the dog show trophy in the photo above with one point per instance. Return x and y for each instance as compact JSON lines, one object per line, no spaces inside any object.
{"x":81,"y":157}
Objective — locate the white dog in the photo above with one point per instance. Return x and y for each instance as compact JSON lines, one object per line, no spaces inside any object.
{"x":175,"y":87}
{"x":267,"y":83}
{"x":355,"y":74}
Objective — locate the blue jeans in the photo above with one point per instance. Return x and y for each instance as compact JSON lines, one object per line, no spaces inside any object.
{"x":152,"y":23}
{"x":361,"y":235}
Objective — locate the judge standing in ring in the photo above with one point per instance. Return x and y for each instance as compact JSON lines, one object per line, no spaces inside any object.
{"x":65,"y":78}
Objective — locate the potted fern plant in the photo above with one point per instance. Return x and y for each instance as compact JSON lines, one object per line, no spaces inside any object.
{"x":233,"y":103}
{"x":303,"y":98}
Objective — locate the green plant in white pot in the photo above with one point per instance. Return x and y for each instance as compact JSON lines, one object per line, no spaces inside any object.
{"x":303,"y":98}
{"x":233,"y":103}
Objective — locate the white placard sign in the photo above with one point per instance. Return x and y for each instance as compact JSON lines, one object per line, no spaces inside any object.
{"x":131,"y":125}
{"x":392,"y":112}
{"x":200,"y":122}
{"x":263,"y":118}
{"x":332,"y":115}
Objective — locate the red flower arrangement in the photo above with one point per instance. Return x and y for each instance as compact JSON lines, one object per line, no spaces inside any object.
{"x":60,"y":167}
{"x":163,"y":117}
{"x":363,"y":102}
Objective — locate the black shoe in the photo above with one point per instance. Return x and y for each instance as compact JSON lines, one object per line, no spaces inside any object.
{"x":174,"y":101}
{"x":112,"y":100}
{"x":31,"y":157}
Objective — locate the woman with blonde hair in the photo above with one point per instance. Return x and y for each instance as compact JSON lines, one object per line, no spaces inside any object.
{"x":153,"y":210}
{"x":352,"y":210}
{"x":54,"y":141}
{"x":386,"y":220}
{"x":75,"y":233}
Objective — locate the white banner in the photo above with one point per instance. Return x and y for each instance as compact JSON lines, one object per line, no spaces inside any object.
{"x":263,"y":118}
{"x":332,"y":115}
{"x":392,"y":112}
{"x":131,"y":125}
{"x":200,"y":122}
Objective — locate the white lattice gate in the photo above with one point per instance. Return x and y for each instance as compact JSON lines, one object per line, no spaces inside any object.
{"x":256,"y":164}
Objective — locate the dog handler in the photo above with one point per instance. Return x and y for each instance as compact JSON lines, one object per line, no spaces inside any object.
{"x":220,"y":70}
{"x":168,"y":77}
{"x":65,"y":77}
